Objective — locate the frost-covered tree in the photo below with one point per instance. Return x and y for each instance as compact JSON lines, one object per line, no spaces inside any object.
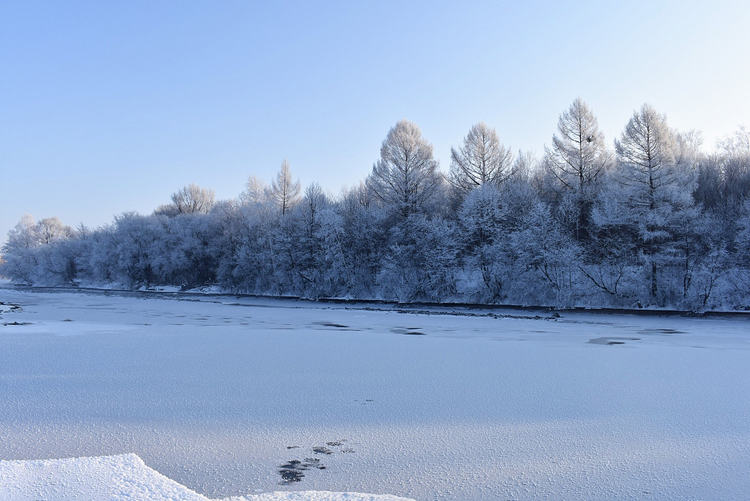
{"x":480,"y":160}
{"x":284,"y":191}
{"x":363,"y":240}
{"x":546,"y":260}
{"x":483,"y":229}
{"x":51,"y":229}
{"x":23,"y":236}
{"x":191,"y":199}
{"x":19,"y":250}
{"x":420,"y":262}
{"x":655,"y":187}
{"x":137,"y":241}
{"x":578,"y":158}
{"x":27,"y":253}
{"x":255,"y":191}
{"x":190,"y":251}
{"x":647,"y":153}
{"x":406,"y":178}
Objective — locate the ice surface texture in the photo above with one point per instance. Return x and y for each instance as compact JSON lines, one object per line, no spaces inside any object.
{"x":122,"y":478}
{"x":219,"y":394}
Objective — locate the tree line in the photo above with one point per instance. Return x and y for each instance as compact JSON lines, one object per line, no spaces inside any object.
{"x":652,"y":222}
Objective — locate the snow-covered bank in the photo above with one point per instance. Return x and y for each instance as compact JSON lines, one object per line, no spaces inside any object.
{"x":216,"y":294}
{"x":225,"y":398}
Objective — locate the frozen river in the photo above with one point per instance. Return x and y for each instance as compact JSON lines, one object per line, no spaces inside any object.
{"x":236,"y":396}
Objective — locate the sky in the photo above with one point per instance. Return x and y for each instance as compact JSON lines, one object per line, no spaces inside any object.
{"x":108,"y":107}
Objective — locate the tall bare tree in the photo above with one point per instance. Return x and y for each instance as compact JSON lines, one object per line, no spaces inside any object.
{"x":285,"y":192}
{"x":406,"y":177}
{"x":647,"y":152}
{"x":577,"y":159}
{"x":482,"y":159}
{"x":578,"y":156}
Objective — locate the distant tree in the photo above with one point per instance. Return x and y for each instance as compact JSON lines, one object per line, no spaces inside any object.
{"x":191,"y":199}
{"x":23,"y":236}
{"x":481,"y":160}
{"x":19,"y":250}
{"x":255,"y":192}
{"x":27,"y":252}
{"x":138,"y":249}
{"x":284,"y":191}
{"x":50,"y":229}
{"x":738,"y":144}
{"x":406,"y":177}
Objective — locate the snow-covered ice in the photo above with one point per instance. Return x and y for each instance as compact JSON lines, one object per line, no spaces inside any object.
{"x":123,"y":478}
{"x":243,"y":397}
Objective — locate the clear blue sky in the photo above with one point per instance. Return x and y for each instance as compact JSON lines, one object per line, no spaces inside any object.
{"x":108,"y":107}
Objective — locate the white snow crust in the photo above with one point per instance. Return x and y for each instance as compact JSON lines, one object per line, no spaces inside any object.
{"x":223,"y":394}
{"x":122,"y":477}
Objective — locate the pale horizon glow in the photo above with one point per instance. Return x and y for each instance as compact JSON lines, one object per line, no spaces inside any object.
{"x":108,"y":108}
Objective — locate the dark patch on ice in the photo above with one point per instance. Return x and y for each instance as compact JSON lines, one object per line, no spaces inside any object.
{"x":68,"y":320}
{"x":10,"y":307}
{"x":408,"y":331}
{"x":292,"y":446}
{"x":319,"y":449}
{"x":660,"y":331}
{"x":16,"y":323}
{"x":335,"y":326}
{"x":334,"y":444}
{"x":292,"y":471}
{"x":610,"y":341}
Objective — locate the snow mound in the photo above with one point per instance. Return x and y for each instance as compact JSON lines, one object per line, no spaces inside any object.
{"x":120,"y":478}
{"x":111,"y":478}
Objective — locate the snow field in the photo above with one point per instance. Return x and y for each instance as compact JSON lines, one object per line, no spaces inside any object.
{"x":218,"y":396}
